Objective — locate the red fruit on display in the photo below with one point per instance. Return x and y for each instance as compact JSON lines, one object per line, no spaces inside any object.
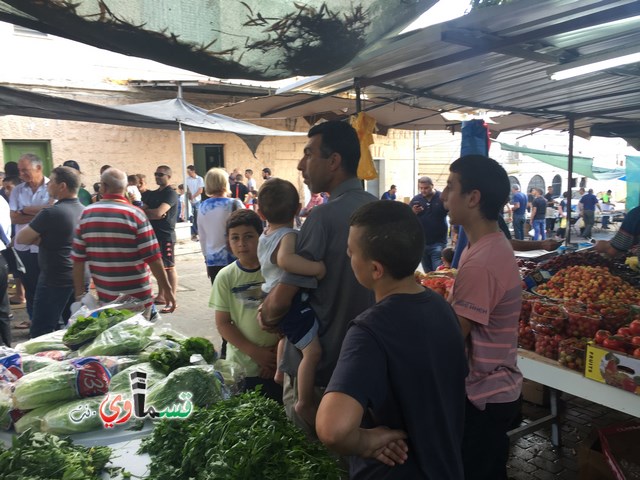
{"x":615,"y":343}
{"x":624,"y":332}
{"x":634,"y":326}
{"x":636,"y":353}
{"x":601,"y":335}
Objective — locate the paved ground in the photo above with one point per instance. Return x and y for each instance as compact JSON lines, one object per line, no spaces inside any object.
{"x":532,"y":456}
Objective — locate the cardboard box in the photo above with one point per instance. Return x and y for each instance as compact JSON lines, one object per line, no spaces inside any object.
{"x":613,"y":368}
{"x":535,"y":393}
{"x":592,"y":464}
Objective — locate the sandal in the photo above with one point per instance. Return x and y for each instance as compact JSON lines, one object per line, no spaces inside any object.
{"x":158,"y":301}
{"x":23,"y":325}
{"x":166,"y":310}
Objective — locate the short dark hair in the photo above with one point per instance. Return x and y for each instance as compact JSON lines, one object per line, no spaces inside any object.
{"x":279,"y":200}
{"x":339,"y":137}
{"x":68,"y":176}
{"x":267,"y":170}
{"x":392,"y":236}
{"x":477,"y":172}
{"x":392,"y":187}
{"x":447,"y":254}
{"x":133,"y":178}
{"x":248,"y":170}
{"x":242,"y":217}
{"x":191,"y":167}
{"x":103,"y":168}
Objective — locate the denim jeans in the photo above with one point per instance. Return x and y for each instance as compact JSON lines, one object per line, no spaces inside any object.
{"x":194,"y":218}
{"x":518,"y":226}
{"x":539,"y":229}
{"x":432,"y":256}
{"x":29,"y":278}
{"x":589,"y":219}
{"x":48,"y":305}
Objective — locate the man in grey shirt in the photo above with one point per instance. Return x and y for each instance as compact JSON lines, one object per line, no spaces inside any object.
{"x":329,"y":164}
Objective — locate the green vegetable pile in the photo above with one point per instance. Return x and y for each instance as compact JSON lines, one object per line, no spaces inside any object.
{"x":247,"y":436}
{"x":85,"y":329}
{"x":167,"y":359}
{"x":40,"y":456}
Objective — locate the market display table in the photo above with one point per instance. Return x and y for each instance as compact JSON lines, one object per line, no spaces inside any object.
{"x":548,"y":372}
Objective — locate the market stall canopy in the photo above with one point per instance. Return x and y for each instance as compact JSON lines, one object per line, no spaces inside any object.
{"x":388,"y":111}
{"x":250,"y":39}
{"x":165,"y":114}
{"x":581,"y":165}
{"x":501,"y":58}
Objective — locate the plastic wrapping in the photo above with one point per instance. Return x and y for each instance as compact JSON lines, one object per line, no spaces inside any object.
{"x":66,"y":380}
{"x":232,"y":374}
{"x":129,"y":337}
{"x":49,"y":341}
{"x":78,"y":416}
{"x":202,"y":381}
{"x":121,"y":382}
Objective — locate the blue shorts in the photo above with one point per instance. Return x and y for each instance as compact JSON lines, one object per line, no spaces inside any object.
{"x":299,"y":325}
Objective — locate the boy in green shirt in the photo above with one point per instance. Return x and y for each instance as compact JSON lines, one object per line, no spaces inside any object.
{"x":236,"y":295}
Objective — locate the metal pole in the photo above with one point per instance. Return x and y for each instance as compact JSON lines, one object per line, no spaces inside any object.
{"x":356,"y":84}
{"x":572,"y":124}
{"x":183,"y":144}
{"x":415,"y":165}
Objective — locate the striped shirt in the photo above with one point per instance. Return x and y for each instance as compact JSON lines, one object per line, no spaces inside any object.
{"x":488,"y":292}
{"x":117,"y":241}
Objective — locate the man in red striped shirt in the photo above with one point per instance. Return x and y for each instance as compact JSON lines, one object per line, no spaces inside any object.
{"x":117,"y":241}
{"x":486,"y":297}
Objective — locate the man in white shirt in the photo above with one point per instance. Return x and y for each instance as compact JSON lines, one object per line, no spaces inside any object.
{"x":195,"y":187}
{"x":25,"y":202}
{"x":251,"y":182}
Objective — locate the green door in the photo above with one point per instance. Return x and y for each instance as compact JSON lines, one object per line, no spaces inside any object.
{"x":14,"y":149}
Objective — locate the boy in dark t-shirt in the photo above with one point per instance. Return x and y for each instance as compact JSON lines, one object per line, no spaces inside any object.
{"x":391,"y":404}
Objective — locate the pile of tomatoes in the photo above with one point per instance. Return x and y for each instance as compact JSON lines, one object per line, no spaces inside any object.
{"x":625,"y":340}
{"x":440,"y":282}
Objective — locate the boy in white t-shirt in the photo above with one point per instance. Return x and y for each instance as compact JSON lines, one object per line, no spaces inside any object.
{"x":278,"y":204}
{"x":132,"y":190}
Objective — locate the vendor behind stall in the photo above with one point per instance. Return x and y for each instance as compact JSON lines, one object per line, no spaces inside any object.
{"x":625,"y":238}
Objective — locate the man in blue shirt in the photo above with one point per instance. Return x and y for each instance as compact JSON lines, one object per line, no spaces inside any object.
{"x":587,"y":205}
{"x":390,"y":195}
{"x":433,"y":218}
{"x":519,"y":208}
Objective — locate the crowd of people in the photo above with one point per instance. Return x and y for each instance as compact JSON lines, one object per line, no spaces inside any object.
{"x":327,"y":319}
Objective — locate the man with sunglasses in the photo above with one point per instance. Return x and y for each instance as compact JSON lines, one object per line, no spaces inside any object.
{"x":433,"y":218}
{"x":161,"y":206}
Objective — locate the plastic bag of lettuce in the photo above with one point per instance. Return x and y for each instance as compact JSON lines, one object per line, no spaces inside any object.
{"x":128,"y":337}
{"x":202,"y":381}
{"x":86,"y":328}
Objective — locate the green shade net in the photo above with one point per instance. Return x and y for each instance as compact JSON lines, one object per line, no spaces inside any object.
{"x":581,"y":165}
{"x":633,"y":182}
{"x":250,"y":39}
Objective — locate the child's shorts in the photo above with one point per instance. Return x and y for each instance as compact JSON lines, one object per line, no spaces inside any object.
{"x":299,"y":325}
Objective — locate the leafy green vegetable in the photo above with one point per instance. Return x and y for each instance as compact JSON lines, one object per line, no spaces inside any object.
{"x":247,"y":436}
{"x":40,"y":456}
{"x":43,"y":343}
{"x":33,"y":418}
{"x":31,"y":363}
{"x":200,"y":380}
{"x":85,"y":329}
{"x":61,"y":381}
{"x":172,"y":356}
{"x":5,"y":407}
{"x":126,"y":338}
{"x":120,"y":382}
{"x":58,"y":420}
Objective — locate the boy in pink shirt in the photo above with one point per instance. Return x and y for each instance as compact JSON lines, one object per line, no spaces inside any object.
{"x":486,"y":297}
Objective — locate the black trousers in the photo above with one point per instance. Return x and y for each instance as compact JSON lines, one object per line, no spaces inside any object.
{"x":5,"y":309}
{"x":485,"y":445}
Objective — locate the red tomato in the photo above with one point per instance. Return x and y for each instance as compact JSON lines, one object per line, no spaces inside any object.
{"x":614,"y":343}
{"x":624,"y":331}
{"x":636,"y":353}
{"x":601,"y":335}
{"x":635,"y":327}
{"x":635,"y":341}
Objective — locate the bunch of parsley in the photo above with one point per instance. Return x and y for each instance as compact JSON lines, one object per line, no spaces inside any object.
{"x":245,"y":437}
